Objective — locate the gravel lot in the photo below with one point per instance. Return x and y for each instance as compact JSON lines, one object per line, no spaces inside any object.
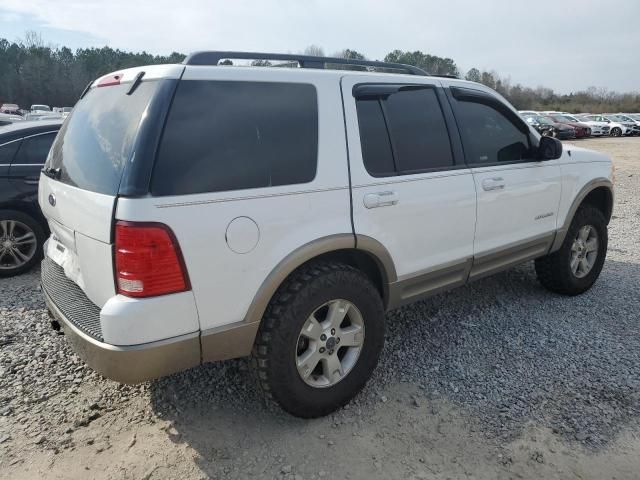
{"x":499,"y":379}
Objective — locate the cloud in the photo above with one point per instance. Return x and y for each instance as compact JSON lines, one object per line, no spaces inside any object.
{"x":566,"y":45}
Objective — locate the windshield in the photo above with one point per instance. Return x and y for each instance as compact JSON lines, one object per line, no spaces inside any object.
{"x":40,"y":108}
{"x":96,"y":141}
{"x":544,"y":120}
{"x":569,"y":118}
{"x":616,"y":118}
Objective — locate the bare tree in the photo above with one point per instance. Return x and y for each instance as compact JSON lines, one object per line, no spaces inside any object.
{"x":314,"y":50}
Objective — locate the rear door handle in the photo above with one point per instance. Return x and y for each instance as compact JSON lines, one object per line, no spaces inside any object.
{"x":380,"y":199}
{"x":496,"y":183}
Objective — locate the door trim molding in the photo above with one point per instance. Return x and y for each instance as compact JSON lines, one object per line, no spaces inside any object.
{"x":502,"y":258}
{"x":414,"y":287}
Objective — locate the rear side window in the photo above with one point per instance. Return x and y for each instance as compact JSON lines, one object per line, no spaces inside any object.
{"x":96,"y":141}
{"x":403,"y":133}
{"x":223,"y":136}
{"x":34,"y":150}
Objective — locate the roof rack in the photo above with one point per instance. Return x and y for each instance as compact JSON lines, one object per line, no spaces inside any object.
{"x":304,"y":61}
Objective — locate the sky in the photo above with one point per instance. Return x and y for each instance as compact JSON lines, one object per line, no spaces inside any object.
{"x":567,"y":45}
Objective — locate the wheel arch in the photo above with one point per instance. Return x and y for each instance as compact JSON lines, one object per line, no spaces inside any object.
{"x":363,"y":252}
{"x":598,"y":193}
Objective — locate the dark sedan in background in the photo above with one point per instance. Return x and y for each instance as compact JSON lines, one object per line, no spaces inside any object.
{"x":548,"y":128}
{"x":582,"y":129}
{"x":24,"y":147}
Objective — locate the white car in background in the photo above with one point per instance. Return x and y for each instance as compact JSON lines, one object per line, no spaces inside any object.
{"x":37,"y":108}
{"x":626,"y":121}
{"x":616,"y":129}
{"x":630,"y":119}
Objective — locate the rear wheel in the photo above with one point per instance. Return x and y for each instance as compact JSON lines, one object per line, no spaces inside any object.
{"x":575,"y":267}
{"x":320,"y":339}
{"x":616,"y":132}
{"x":21,"y":239}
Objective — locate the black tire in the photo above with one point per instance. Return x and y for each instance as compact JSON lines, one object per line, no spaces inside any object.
{"x":616,"y":132}
{"x":36,"y":228}
{"x":554,"y":270}
{"x":275,"y":349}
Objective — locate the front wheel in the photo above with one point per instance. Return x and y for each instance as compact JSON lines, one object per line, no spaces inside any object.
{"x":575,"y":267}
{"x":616,"y":132}
{"x":320,"y":339}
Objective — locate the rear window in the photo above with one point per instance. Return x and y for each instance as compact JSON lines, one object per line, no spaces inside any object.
{"x":97,"y":140}
{"x":223,"y":136}
{"x":34,"y":150}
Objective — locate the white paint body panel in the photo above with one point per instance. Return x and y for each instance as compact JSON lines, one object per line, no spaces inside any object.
{"x":224,"y":282}
{"x":525,"y":208}
{"x":433,"y":221}
{"x":131,"y":321}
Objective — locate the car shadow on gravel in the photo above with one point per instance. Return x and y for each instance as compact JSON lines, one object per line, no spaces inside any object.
{"x":504,"y":350}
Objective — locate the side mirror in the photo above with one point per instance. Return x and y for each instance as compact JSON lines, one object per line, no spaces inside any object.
{"x":549,"y":148}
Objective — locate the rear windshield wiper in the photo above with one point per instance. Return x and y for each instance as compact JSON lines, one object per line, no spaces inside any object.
{"x":136,"y":82}
{"x":51,"y":172}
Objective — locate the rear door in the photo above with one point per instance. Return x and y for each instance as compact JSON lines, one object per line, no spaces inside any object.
{"x":518,"y":195}
{"x":411,"y":192}
{"x":29,"y":160}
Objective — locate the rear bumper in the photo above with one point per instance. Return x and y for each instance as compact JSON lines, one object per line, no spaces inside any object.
{"x":130,"y":364}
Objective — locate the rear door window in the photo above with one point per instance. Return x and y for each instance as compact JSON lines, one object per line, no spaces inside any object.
{"x":96,"y":141}
{"x":34,"y":150}
{"x":229,"y":135}
{"x":403,"y":133}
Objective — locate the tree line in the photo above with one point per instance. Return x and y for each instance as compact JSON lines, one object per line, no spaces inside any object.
{"x":33,"y":72}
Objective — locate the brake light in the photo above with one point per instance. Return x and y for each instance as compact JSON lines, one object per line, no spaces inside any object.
{"x":110,"y":80}
{"x":148,"y":260}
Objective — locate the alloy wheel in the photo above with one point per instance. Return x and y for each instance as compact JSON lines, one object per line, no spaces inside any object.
{"x":18,"y":244}
{"x":584,"y":251}
{"x":330,"y":343}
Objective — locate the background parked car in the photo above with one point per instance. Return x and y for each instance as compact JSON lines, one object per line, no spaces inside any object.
{"x":582,"y":129}
{"x":629,"y":119}
{"x":547,"y":127}
{"x":8,"y":119}
{"x":23,"y":150}
{"x":40,"y":108}
{"x":10,"y":108}
{"x":616,"y":129}
{"x":598,"y":129}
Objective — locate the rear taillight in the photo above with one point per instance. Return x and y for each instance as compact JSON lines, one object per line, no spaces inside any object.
{"x":110,"y":80}
{"x":148,"y":260}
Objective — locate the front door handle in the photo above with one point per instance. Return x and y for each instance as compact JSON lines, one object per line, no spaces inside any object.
{"x":496,"y":183}
{"x":380,"y":199}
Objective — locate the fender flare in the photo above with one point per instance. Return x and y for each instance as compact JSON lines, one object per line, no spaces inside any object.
{"x":561,"y":233}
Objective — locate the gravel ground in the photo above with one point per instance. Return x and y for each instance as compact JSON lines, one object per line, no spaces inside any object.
{"x":498,"y":379}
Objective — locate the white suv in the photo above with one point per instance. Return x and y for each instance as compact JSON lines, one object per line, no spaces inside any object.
{"x":202,"y":212}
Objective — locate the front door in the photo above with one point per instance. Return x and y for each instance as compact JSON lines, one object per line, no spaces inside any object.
{"x":518,"y":195}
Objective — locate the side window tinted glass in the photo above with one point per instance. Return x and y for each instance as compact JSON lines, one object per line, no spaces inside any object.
{"x":374,"y":139}
{"x":403,"y":133}
{"x":222,"y":136}
{"x":7,"y":152}
{"x":488,"y":136}
{"x":34,"y":150}
{"x":418,"y":130}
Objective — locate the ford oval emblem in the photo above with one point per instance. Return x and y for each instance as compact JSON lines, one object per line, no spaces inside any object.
{"x":52,"y":200}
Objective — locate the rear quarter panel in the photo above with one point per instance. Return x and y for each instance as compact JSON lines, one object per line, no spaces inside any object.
{"x":225,"y":283}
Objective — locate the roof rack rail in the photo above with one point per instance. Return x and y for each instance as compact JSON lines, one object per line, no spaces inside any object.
{"x":304,"y":61}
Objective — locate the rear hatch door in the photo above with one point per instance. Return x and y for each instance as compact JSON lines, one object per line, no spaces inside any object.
{"x":80,"y":182}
